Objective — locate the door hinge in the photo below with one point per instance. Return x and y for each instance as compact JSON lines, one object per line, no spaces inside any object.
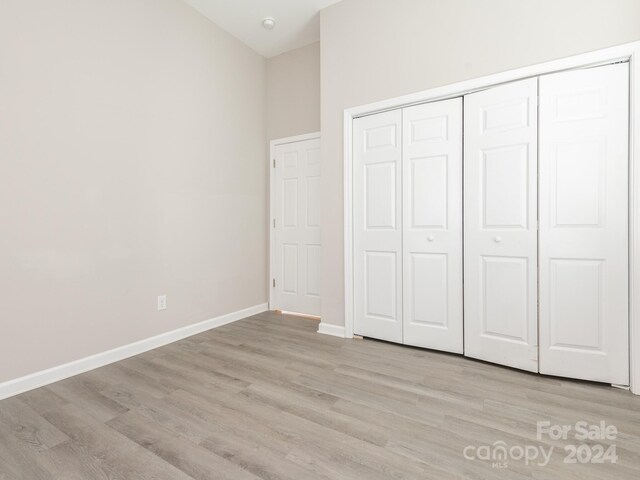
{"x":274,"y":223}
{"x":274,"y":163}
{"x":274,"y":283}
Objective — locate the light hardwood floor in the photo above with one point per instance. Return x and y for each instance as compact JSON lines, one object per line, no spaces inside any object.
{"x":268,"y":397}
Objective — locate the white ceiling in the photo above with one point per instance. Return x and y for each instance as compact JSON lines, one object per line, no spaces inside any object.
{"x":298,"y":22}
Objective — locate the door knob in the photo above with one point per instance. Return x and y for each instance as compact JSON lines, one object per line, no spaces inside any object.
{"x":430,"y":238}
{"x":497,"y":239}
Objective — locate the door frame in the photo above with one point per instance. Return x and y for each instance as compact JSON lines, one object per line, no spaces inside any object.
{"x":627,"y":52}
{"x":272,"y":157}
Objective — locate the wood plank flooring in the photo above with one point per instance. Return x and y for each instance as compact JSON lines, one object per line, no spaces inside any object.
{"x":267,"y":397}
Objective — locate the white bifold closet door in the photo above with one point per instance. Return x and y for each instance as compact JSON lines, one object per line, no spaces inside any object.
{"x":584,"y":224}
{"x":432,"y":225}
{"x":407,"y":218}
{"x":377,"y":226}
{"x":500,"y":225}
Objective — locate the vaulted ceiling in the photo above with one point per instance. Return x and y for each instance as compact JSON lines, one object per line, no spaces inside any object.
{"x":297,"y":21}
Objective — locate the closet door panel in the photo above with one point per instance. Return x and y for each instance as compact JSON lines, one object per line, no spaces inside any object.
{"x":584,"y":224}
{"x":432,"y":218}
{"x":500,"y":225}
{"x":377,"y":226}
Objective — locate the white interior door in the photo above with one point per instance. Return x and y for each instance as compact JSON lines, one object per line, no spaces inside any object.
{"x":432,"y":219}
{"x":500,"y":225}
{"x":584,"y":329}
{"x":377,"y":226}
{"x":297,"y":227}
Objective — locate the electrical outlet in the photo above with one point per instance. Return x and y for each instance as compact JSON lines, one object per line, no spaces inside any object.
{"x":162,"y":302}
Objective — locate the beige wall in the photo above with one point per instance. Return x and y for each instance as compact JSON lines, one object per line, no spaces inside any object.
{"x":293,"y":86}
{"x":377,"y":49}
{"x":132,"y":164}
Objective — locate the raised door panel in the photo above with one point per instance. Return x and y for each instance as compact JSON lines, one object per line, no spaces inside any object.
{"x":500,"y":231}
{"x":432,"y":219}
{"x":505,"y":303}
{"x":428,"y":204}
{"x":380,"y":195}
{"x":579,"y":183}
{"x":290,"y":202}
{"x":313,"y":201}
{"x":575,"y":305}
{"x":380,"y":285}
{"x":429,"y":273}
{"x":505,"y":187}
{"x":313,"y":271}
{"x":377,"y":226}
{"x":290,"y":268}
{"x":381,"y":137}
{"x":500,"y":115}
{"x":297,"y":247}
{"x":584,"y":224}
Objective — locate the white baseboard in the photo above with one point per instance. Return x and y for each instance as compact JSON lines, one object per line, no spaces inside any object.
{"x":333,"y":330}
{"x":55,"y":374}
